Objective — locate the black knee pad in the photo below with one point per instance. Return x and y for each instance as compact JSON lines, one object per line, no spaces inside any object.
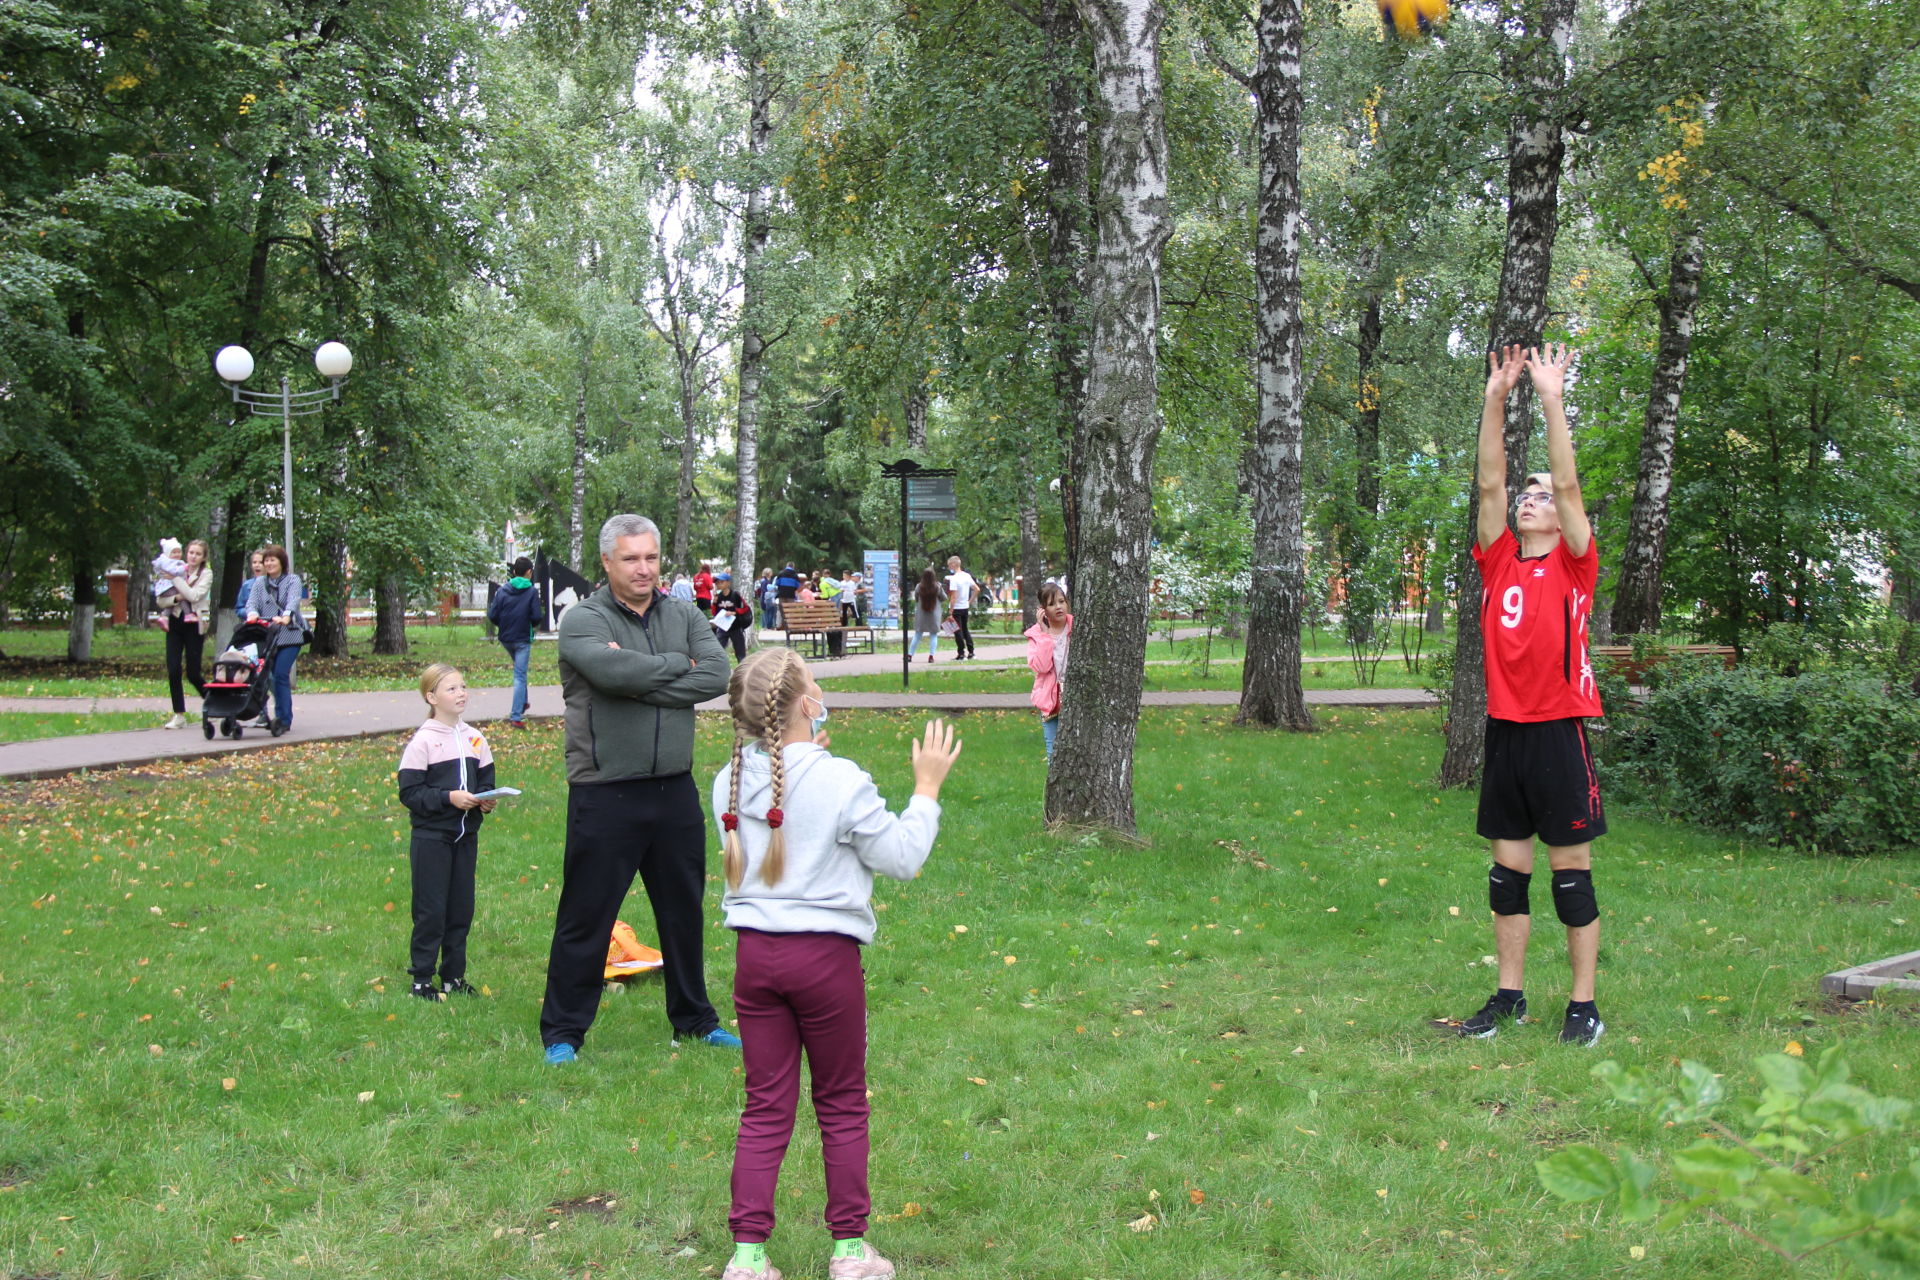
{"x":1507,"y":891}
{"x":1573,"y":898}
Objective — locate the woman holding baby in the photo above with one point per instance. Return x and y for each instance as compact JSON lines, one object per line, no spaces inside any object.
{"x":181,"y":588}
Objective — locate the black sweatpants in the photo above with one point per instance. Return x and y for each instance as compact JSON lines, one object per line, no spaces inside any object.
{"x":184,"y":641}
{"x":962,"y":638}
{"x":735,"y":635}
{"x":442,"y":903}
{"x":655,"y":827}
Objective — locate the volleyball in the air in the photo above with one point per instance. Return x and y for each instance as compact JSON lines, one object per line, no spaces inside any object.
{"x":1413,"y":19}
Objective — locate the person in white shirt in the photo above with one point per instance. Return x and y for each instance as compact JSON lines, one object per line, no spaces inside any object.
{"x":961,"y":589}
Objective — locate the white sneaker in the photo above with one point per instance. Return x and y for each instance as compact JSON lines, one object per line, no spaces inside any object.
{"x":868,"y":1266}
{"x":178,"y":721}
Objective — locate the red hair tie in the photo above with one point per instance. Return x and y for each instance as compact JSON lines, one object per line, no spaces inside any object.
{"x":730,"y":821}
{"x":775,"y":817}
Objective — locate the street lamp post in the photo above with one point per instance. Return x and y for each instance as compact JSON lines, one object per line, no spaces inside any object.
{"x":235,"y":366}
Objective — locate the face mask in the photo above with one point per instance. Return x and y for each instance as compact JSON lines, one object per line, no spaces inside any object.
{"x":818,"y":723}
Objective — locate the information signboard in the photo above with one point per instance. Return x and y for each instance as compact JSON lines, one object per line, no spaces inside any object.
{"x":883,"y":575}
{"x":931,"y":498}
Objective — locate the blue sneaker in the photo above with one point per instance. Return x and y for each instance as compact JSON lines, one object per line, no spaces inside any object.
{"x":721,"y":1038}
{"x":559,"y":1053}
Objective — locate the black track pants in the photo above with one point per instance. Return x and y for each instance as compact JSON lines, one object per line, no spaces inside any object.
{"x":442,"y":903}
{"x":653,"y":827}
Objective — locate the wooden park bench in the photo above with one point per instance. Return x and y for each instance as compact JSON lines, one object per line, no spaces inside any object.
{"x":818,"y":622}
{"x":1620,"y":658}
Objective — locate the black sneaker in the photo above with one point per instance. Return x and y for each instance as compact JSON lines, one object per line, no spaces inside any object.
{"x":461,"y":986}
{"x":427,"y":991}
{"x":1581,"y":1028}
{"x":1485,"y":1024}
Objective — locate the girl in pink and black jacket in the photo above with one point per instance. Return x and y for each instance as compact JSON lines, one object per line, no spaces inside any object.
{"x":446,"y":763}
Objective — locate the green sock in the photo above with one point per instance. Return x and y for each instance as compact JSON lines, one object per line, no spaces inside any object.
{"x":751,"y":1256}
{"x":854,"y":1248}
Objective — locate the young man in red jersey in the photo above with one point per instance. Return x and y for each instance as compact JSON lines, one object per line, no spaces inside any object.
{"x":1535,"y":600}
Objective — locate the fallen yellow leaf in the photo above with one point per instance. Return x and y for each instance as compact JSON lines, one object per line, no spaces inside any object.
{"x":1794,"y":1049}
{"x":1145,"y":1222}
{"x":975,"y":1080}
{"x":1196,"y":1196}
{"x":229,"y":1084}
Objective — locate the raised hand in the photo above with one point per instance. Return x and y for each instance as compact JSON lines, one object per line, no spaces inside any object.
{"x":1504,"y":367}
{"x":1548,"y":368}
{"x":933,"y":756}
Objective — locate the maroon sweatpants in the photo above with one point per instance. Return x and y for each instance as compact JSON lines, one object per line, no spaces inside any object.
{"x":798,"y":992}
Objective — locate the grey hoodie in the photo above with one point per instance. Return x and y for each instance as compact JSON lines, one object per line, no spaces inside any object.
{"x":839,"y":834}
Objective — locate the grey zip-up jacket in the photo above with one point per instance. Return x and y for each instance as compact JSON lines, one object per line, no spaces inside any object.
{"x":630,"y":709}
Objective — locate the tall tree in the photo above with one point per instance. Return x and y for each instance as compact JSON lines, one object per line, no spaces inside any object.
{"x":1636,"y":599}
{"x":1534,"y":66}
{"x":755,"y":232}
{"x":1091,"y":779}
{"x":1271,"y":693}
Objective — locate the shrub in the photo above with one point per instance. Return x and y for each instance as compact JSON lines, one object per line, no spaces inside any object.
{"x":1762,"y":1167}
{"x":1829,"y":759}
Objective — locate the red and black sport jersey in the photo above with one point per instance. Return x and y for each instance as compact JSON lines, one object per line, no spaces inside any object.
{"x":1533,"y":622}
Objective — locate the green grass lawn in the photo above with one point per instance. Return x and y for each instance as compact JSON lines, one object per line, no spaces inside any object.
{"x":213,"y":1070}
{"x":23,"y":726}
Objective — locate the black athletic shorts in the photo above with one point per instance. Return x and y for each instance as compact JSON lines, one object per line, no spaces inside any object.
{"x":1539,"y":781}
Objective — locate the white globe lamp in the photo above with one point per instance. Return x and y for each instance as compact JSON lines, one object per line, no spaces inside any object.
{"x":333,"y":360}
{"x":234,"y":364}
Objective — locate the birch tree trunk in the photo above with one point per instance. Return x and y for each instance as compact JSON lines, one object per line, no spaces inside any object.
{"x":390,"y":615}
{"x":1534,"y":66}
{"x":1271,"y":694}
{"x":1069,"y":211}
{"x":1091,"y":779}
{"x":753,"y":252}
{"x":1636,"y":601}
{"x":577,"y":506}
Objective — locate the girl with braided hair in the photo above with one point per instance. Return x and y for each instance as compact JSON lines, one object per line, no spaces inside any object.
{"x":805,"y":833}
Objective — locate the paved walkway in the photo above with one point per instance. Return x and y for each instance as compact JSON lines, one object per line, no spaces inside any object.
{"x":320,"y":717}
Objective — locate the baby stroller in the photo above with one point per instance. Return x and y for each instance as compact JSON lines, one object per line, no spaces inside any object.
{"x":242,"y":682}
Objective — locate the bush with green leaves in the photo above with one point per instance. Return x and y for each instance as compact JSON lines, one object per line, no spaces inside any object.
{"x":1763,"y":1166}
{"x":1829,"y":759}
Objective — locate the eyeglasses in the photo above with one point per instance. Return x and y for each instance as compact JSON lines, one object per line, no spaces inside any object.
{"x":1530,"y":496}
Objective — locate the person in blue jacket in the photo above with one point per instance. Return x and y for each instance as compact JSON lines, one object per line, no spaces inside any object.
{"x":515,"y":612}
